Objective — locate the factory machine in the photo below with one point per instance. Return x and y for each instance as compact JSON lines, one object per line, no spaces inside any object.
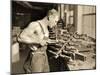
{"x":72,"y":47}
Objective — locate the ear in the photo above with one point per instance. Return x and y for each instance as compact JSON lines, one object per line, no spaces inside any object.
{"x":50,"y":17}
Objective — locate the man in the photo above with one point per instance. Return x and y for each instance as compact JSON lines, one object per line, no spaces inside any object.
{"x":36,"y":35}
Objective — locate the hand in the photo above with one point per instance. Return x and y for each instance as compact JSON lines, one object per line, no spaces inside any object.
{"x":43,"y":43}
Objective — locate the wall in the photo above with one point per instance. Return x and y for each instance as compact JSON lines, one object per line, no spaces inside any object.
{"x":89,"y":21}
{"x":86,"y":20}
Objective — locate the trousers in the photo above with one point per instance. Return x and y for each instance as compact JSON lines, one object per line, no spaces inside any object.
{"x":37,"y":61}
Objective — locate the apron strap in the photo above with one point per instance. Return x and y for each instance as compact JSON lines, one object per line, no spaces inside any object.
{"x":41,"y":27}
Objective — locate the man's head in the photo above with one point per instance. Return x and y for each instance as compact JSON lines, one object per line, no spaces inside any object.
{"x":53,"y":18}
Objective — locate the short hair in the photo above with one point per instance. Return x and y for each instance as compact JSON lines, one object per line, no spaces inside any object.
{"x":52,"y":12}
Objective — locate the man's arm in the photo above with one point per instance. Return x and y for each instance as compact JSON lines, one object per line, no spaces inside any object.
{"x":29,"y":35}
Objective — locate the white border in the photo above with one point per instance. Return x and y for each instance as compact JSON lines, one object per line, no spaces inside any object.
{"x":90,"y":2}
{"x":5,"y":36}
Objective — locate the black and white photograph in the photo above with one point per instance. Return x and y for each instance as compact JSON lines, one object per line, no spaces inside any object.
{"x":52,"y":37}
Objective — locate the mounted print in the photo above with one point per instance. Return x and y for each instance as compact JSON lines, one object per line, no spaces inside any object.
{"x":52,"y":37}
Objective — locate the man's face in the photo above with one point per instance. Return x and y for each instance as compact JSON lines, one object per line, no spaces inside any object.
{"x":53,"y":21}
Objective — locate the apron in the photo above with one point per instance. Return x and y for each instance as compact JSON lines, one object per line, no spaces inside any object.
{"x":37,"y":60}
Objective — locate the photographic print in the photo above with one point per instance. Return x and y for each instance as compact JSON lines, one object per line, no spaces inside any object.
{"x":52,"y":37}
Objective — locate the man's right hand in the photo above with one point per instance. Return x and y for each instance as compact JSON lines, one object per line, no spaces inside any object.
{"x":43,"y":43}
